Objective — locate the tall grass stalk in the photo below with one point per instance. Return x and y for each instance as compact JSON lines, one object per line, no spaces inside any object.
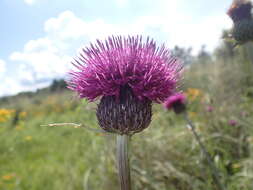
{"x":215,"y":171}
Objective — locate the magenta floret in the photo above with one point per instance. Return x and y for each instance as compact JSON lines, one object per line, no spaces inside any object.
{"x":103,"y":68}
{"x":232,"y":122}
{"x":175,"y":100}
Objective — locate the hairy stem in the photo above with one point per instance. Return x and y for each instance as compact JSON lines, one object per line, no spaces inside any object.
{"x":215,"y":172}
{"x":123,"y":162}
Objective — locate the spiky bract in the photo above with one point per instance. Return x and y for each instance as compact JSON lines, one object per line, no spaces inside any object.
{"x":124,"y":115}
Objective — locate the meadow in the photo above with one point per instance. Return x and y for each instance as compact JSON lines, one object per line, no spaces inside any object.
{"x":165,"y":156}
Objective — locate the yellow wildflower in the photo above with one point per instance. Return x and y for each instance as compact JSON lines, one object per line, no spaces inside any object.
{"x":192,"y":114}
{"x":7,"y":177}
{"x":28,"y":138}
{"x":100,"y":134}
{"x":2,"y":119}
{"x":193,"y":93}
{"x":5,"y":114}
{"x":23,"y":114}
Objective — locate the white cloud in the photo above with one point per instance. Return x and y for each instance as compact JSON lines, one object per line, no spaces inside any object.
{"x":68,"y":27}
{"x":206,"y":31}
{"x":8,"y":84}
{"x":175,"y":23}
{"x":121,"y":3}
{"x":44,"y":64}
{"x":12,"y":85}
{"x":50,"y":56}
{"x":30,"y":2}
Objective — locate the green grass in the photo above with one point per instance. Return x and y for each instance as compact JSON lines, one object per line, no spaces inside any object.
{"x":163,"y":157}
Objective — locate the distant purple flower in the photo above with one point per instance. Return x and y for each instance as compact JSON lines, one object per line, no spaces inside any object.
{"x":128,"y":74}
{"x":209,"y":108}
{"x":244,"y":114}
{"x":103,"y":68}
{"x":232,"y":122}
{"x":240,"y":10}
{"x":176,"y":102}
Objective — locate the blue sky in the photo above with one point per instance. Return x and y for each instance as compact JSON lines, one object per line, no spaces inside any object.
{"x":39,"y":37}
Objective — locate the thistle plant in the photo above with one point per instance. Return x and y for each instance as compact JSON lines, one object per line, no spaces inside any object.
{"x":177,"y":103}
{"x":241,"y":15}
{"x":126,"y":75}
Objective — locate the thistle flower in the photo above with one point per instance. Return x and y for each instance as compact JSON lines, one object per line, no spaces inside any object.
{"x":128,"y":75}
{"x":232,"y":122}
{"x":239,"y":10}
{"x":209,"y":108}
{"x":176,"y":102}
{"x":240,"y":13}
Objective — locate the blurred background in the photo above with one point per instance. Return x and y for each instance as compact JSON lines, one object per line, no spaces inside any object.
{"x":38,"y":40}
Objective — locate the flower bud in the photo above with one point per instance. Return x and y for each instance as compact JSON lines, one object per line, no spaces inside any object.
{"x":124,"y":115}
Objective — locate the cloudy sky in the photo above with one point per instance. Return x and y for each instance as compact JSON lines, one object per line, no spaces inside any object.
{"x":39,"y":37}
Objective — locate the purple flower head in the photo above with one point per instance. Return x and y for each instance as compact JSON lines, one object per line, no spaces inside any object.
{"x":239,"y":10}
{"x":105,"y":67}
{"x":209,"y":108}
{"x":232,"y":122}
{"x":128,"y":74}
{"x":176,"y":102}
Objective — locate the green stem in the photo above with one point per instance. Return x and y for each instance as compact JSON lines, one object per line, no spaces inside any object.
{"x":215,"y":172}
{"x":123,"y":162}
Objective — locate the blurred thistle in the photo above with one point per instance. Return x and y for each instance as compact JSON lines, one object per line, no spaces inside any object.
{"x":209,"y":109}
{"x":128,"y":75}
{"x":240,"y":10}
{"x":241,"y":15}
{"x":177,"y":102}
{"x":232,"y":122}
